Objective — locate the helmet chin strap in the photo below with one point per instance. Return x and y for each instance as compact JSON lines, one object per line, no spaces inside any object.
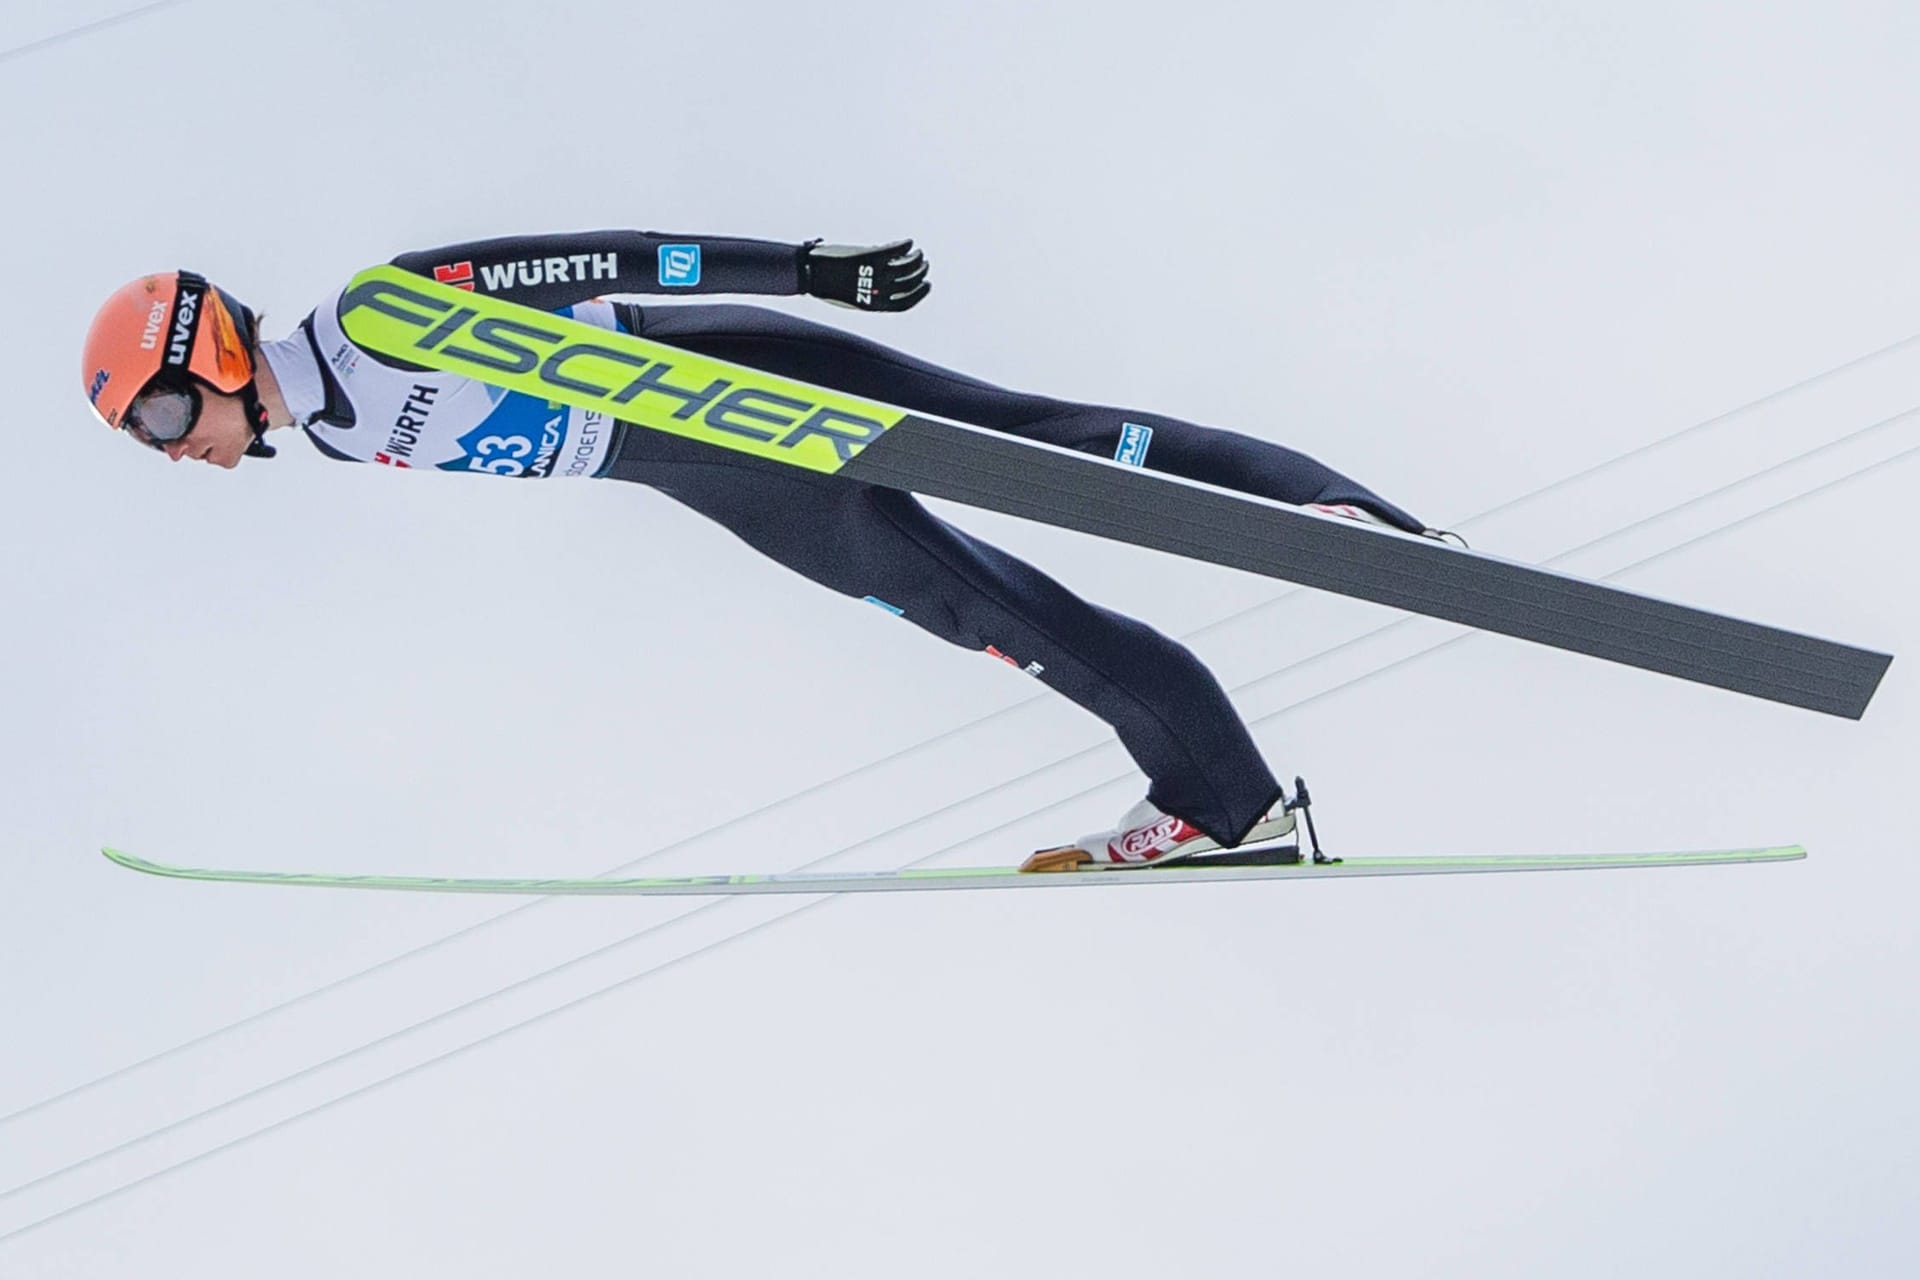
{"x":249,"y":327}
{"x":257,"y":419}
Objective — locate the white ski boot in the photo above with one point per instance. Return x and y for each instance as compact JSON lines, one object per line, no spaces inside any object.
{"x":1146,"y":837}
{"x":1347,"y":511}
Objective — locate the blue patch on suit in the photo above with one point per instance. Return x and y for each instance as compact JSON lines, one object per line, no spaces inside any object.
{"x":679,"y":265}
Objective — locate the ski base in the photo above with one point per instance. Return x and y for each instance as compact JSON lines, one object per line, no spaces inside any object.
{"x":1269,"y":865}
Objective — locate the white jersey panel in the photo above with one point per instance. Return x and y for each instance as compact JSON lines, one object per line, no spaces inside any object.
{"x":425,"y":418}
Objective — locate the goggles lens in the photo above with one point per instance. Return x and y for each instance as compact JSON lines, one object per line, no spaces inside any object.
{"x":159,"y":416}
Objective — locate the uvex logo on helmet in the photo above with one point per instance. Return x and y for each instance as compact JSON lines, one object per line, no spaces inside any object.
{"x":156,"y":318}
{"x":180,"y":339}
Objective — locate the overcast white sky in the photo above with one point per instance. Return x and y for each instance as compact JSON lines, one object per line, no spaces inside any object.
{"x":1462,"y":251}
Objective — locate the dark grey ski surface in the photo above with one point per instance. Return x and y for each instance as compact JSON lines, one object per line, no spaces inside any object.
{"x":1078,"y":491}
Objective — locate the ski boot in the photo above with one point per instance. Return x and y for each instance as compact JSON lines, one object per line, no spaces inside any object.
{"x":1146,"y":837}
{"x":1347,"y":511}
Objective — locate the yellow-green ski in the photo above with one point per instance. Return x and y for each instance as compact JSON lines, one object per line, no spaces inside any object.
{"x":921,"y":878}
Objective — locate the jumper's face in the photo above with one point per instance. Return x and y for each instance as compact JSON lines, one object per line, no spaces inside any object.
{"x":220,"y":434}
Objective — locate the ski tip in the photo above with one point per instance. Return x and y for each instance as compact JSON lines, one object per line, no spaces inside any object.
{"x":129,"y":861}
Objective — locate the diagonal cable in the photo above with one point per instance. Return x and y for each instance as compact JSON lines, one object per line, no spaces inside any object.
{"x":1653,"y":446}
{"x":74,"y":33}
{"x":1342,"y":686}
{"x":894,"y":758}
{"x":623,"y":983}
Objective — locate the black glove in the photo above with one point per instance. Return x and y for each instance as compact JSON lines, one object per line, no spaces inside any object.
{"x":891,"y":277}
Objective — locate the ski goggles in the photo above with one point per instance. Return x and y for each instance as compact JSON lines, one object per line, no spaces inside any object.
{"x":163,"y":414}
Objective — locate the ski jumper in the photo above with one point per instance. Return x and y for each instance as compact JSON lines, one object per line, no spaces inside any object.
{"x":864,"y":541}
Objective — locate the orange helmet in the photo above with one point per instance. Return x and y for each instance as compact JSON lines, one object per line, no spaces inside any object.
{"x":169,"y":332}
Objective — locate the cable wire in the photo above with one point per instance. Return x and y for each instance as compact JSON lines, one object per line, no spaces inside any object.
{"x":622,"y":983}
{"x":74,"y":33}
{"x":896,"y":757}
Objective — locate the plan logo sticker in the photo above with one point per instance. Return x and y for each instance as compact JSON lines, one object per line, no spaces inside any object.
{"x":1134,"y":440}
{"x":679,"y":265}
{"x":344,"y":362}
